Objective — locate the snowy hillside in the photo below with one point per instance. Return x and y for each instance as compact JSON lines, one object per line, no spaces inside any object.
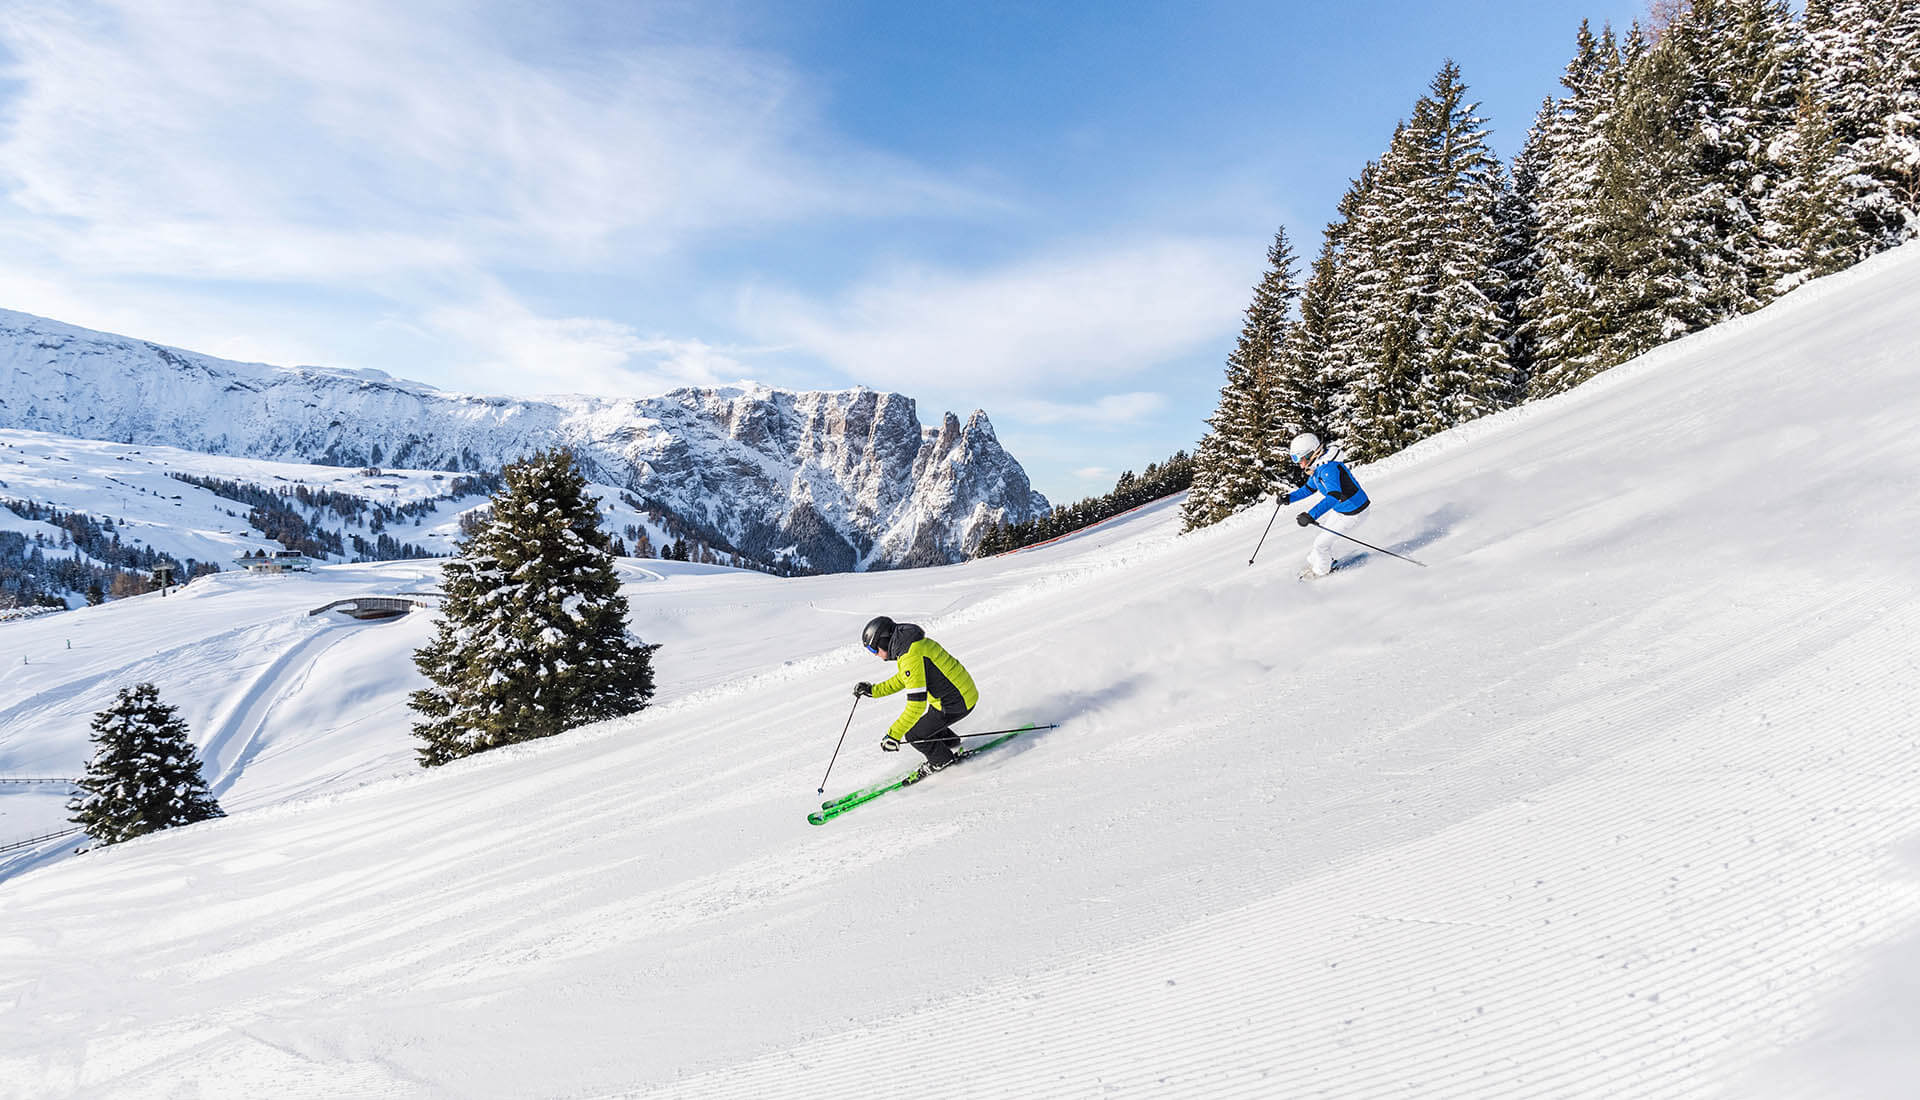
{"x":182,"y":504}
{"x":830,"y":481}
{"x":1620,"y":797}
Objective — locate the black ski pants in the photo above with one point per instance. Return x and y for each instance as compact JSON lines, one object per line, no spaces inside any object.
{"x":933,"y":735}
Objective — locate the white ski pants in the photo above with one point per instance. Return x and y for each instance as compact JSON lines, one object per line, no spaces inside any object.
{"x":1327,"y":545}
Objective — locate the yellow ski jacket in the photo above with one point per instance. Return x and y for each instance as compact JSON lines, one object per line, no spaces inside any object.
{"x":927,"y":673}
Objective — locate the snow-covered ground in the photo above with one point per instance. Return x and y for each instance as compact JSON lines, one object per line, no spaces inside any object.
{"x":133,"y":486}
{"x":1620,"y":797}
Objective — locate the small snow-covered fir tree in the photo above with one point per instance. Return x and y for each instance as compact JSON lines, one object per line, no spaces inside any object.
{"x":144,"y":775}
{"x":532,"y":637}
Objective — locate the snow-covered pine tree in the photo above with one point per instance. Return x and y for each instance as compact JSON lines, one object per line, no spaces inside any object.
{"x":1520,"y":247}
{"x":1810,"y":223}
{"x":1242,"y":456}
{"x":532,"y":635}
{"x":1374,"y":325}
{"x":1333,"y":315}
{"x":1309,"y":386}
{"x":1655,"y":217}
{"x":1562,"y":321}
{"x":1423,"y":251}
{"x":144,"y":775}
{"x":1201,"y":508}
{"x":1465,"y":370}
{"x":1678,"y":119}
{"x":1693,"y":159}
{"x":1765,"y":63}
{"x":1863,"y":57}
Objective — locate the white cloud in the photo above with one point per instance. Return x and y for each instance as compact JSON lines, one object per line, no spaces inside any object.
{"x":1110,"y":410}
{"x":362,"y":183}
{"x":1027,"y":329}
{"x":360,"y":138}
{"x":510,"y":349}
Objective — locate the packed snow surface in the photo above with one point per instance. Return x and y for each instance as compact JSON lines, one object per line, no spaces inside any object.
{"x":1620,"y":796}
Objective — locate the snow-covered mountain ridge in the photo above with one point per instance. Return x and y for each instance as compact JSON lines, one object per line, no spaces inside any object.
{"x":830,"y":480}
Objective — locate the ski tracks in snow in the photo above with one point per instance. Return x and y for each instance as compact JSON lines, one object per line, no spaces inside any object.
{"x":236,"y":731}
{"x":1641,"y":929}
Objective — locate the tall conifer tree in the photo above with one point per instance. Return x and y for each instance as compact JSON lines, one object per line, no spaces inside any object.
{"x":1424,"y":249}
{"x":1521,"y":251}
{"x":1308,"y":383}
{"x":1459,"y":196}
{"x":1563,"y":322}
{"x":1242,"y":457}
{"x":1812,"y":227}
{"x":532,"y":636}
{"x":1375,"y":325}
{"x":1764,"y":59}
{"x":1863,"y":59}
{"x":1654,"y":221}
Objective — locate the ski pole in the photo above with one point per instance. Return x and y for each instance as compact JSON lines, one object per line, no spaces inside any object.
{"x":837,"y":744}
{"x":1016,"y":729}
{"x":1368,"y":545}
{"x":1279,"y":502}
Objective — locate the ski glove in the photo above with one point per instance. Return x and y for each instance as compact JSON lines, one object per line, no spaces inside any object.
{"x":863,"y":688}
{"x":888,"y":744}
{"x":1304,"y":519}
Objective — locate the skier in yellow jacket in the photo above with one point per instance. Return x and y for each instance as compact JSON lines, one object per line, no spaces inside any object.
{"x":939,"y":690}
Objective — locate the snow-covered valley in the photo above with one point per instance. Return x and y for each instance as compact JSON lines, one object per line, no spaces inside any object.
{"x":1619,"y":797}
{"x":170,"y":502}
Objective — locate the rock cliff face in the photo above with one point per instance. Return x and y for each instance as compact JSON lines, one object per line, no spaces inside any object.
{"x":835,"y":481}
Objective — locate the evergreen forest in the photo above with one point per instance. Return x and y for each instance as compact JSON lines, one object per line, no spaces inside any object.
{"x":1688,"y":172}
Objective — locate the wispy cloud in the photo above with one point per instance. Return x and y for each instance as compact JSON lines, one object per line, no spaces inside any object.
{"x":507,"y":347}
{"x":359,"y":138}
{"x":1112,"y":410}
{"x":1071,"y":318}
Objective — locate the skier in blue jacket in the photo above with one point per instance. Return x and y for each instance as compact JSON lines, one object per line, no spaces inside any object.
{"x":1343,"y":504}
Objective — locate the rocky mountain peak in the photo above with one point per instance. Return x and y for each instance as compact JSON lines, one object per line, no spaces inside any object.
{"x":830,"y":480}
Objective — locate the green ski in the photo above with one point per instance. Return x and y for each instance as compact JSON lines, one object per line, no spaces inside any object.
{"x":835,"y":807}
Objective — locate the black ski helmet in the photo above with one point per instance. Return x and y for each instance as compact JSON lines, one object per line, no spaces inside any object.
{"x":878,"y":633}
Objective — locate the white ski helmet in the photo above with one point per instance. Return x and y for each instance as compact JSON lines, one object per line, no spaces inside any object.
{"x":1305,"y":446}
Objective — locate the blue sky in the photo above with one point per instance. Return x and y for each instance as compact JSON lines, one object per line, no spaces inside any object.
{"x":1054,"y":212}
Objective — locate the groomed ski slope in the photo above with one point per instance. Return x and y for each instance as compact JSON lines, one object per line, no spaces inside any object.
{"x":1620,"y":798}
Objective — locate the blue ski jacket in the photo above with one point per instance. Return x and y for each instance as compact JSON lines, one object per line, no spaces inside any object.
{"x":1339,"y":491}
